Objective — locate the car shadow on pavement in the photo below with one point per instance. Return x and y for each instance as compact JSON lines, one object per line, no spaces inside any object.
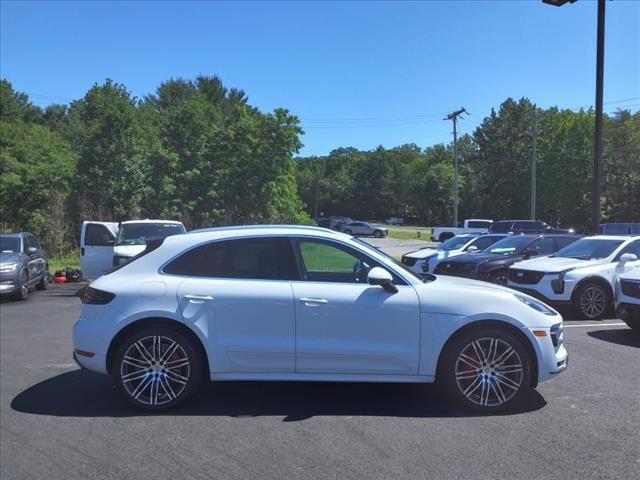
{"x":80,"y":393}
{"x":621,"y":336}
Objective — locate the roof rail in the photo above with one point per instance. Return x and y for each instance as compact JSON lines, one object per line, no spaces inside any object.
{"x":261,"y":226}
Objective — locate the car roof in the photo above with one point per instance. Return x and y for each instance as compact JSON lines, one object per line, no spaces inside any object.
{"x":147,"y":220}
{"x":14,"y":234}
{"x":614,"y":237}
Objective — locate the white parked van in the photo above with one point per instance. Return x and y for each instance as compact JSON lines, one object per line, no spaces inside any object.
{"x":104,"y":245}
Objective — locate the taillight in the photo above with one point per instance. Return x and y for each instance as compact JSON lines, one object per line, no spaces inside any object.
{"x":93,"y":296}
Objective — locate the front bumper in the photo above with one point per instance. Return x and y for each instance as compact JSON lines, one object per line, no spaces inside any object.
{"x":552,"y":359}
{"x":8,"y":281}
{"x":550,"y":289}
{"x":629,"y":313}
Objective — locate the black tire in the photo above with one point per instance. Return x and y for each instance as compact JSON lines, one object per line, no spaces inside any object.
{"x":136,"y":379}
{"x":501,"y":386}
{"x":377,"y":234}
{"x":347,"y":231}
{"x":499,"y":277}
{"x":592,"y":301}
{"x":22,"y":291}
{"x":44,"y":283}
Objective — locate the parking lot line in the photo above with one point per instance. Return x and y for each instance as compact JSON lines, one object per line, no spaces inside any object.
{"x":617,"y":324}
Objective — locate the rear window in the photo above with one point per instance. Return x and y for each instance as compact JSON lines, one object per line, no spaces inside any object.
{"x":140,"y":233}
{"x":250,"y":258}
{"x":478,"y":224}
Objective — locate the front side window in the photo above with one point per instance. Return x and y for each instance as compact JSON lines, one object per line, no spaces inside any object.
{"x":139,"y":233}
{"x":33,"y":241}
{"x":633,"y":247}
{"x":324,"y":262}
{"x":268,"y":258}
{"x":453,"y":243}
{"x":501,"y":227}
{"x":508,"y":245}
{"x":483,"y":242}
{"x":589,"y":249}
{"x":543,"y":246}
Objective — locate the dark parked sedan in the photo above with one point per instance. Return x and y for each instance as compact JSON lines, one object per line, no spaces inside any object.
{"x":492,"y":264}
{"x":23,"y":264}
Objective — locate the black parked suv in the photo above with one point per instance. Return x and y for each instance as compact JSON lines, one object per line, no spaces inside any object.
{"x":492,"y":264}
{"x":525,"y":226}
{"x":23,"y":264}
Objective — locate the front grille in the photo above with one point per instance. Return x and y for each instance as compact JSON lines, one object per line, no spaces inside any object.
{"x":526,"y":277}
{"x":456,"y":269}
{"x":409,"y":261}
{"x":630,"y":288}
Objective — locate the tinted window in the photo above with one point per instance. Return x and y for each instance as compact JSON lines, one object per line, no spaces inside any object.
{"x":501,"y":227}
{"x":509,"y":245}
{"x":266,"y":258}
{"x":477,"y":224}
{"x":589,"y":249}
{"x":564,"y":241}
{"x":483,"y":242}
{"x":633,"y":247}
{"x":527,"y":226}
{"x":616,"y":229}
{"x":33,"y":241}
{"x":543,"y":246}
{"x":96,"y":234}
{"x":453,"y":243}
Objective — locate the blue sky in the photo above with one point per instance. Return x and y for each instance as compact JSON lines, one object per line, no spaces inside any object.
{"x":357,"y":74}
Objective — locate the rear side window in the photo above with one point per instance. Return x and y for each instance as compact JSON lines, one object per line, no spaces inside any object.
{"x":477,"y":224}
{"x":501,"y":227}
{"x":268,"y":258}
{"x":98,"y":235}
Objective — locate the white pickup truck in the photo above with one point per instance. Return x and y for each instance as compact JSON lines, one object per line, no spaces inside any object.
{"x":472,"y":225}
{"x":104,"y":245}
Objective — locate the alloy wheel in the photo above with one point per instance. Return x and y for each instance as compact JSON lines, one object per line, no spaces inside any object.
{"x":489,"y":372}
{"x":155,"y":370}
{"x":593,"y":301}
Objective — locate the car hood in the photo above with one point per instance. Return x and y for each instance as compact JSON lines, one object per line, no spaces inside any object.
{"x":10,"y":257}
{"x":632,"y":275}
{"x":455,"y":297}
{"x":555,"y":264}
{"x":478,"y":258}
{"x":423,"y":253}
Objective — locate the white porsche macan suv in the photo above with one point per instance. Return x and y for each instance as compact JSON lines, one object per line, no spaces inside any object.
{"x":307,"y":304}
{"x":581,"y":274}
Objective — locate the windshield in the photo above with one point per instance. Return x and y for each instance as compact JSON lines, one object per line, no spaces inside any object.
{"x":454,"y":243}
{"x":10,"y":244}
{"x":589,"y":249}
{"x":508,"y":245}
{"x":140,"y":233}
{"x":395,"y":262}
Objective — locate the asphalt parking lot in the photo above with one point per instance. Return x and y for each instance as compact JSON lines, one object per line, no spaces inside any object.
{"x":58,"y":422}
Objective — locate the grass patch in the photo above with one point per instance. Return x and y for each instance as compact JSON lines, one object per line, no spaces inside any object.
{"x":69,"y":260}
{"x":410,"y":235}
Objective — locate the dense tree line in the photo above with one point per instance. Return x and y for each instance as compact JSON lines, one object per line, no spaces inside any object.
{"x":194,"y":151}
{"x":199,"y":152}
{"x":494,"y":174}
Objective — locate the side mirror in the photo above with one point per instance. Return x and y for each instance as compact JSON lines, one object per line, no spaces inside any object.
{"x":530,"y":252}
{"x":379,"y":276}
{"x":628,"y":257}
{"x":472,"y":249}
{"x":32,"y":250}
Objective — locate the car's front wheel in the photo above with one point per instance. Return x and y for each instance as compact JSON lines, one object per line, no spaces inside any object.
{"x":377,"y":234}
{"x":157,"y":368}
{"x":592,"y":301}
{"x":487,"y":370}
{"x":22,"y":288}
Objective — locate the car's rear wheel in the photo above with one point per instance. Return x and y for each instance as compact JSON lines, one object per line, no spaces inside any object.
{"x":22,"y":289}
{"x":486,"y":370}
{"x":157,"y":368}
{"x":592,"y":301}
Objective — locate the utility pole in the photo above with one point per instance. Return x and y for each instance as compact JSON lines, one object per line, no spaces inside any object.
{"x":597,"y":150}
{"x":534,"y":162}
{"x":454,"y":116}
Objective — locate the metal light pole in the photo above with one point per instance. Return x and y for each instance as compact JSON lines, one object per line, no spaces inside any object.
{"x":597,"y":147}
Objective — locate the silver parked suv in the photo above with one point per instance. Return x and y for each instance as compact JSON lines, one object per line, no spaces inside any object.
{"x":23,"y":264}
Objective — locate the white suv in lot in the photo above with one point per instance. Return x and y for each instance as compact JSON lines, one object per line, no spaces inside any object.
{"x":581,"y":274}
{"x":426,"y":259}
{"x":308,"y":304}
{"x":628,"y":298}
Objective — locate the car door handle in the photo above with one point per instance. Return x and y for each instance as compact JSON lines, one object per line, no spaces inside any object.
{"x":199,"y":298}
{"x":313,"y":302}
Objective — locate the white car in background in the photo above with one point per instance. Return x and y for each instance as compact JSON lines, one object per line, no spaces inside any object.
{"x":301,"y":303}
{"x":104,"y":245}
{"x":426,"y":259}
{"x":581,"y":274}
{"x":628,"y":298}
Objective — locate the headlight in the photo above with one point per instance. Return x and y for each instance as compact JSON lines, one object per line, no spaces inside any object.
{"x":8,"y":267}
{"x":536,"y":305}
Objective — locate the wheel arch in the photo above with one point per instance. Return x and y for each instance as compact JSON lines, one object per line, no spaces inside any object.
{"x":157,"y":322}
{"x":593,"y":279}
{"x":499,"y":324}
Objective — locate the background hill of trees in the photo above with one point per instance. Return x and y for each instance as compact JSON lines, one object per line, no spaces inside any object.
{"x":197,"y":151}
